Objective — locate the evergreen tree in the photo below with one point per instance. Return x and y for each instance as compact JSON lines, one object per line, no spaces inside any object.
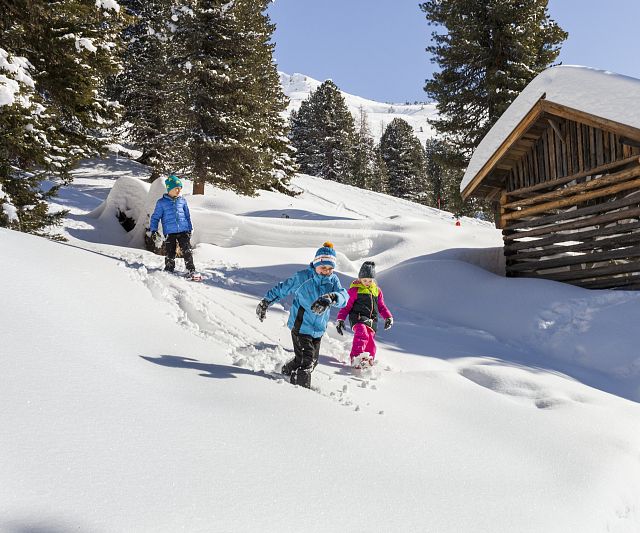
{"x":227,"y":128}
{"x":490,"y":51}
{"x":363,"y":154}
{"x":444,"y":180}
{"x":380,"y":177}
{"x":57,"y":59}
{"x":143,"y":87}
{"x":404,"y":157}
{"x":435,"y":173}
{"x":323,"y":132}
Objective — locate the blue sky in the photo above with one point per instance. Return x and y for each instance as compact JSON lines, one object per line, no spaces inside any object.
{"x":375,"y":48}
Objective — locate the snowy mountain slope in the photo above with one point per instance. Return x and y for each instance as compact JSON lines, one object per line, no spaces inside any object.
{"x":146,"y":403}
{"x":298,"y":87}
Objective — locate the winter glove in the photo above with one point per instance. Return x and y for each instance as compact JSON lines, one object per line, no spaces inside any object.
{"x":261,"y":310}
{"x":156,"y":238}
{"x":323,"y":303}
{"x":388,"y":322}
{"x":340,"y":326}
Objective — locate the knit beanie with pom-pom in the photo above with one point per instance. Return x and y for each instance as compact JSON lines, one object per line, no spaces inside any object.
{"x":325,"y":256}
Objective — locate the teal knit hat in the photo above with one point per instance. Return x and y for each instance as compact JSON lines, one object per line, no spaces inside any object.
{"x":172,"y":182}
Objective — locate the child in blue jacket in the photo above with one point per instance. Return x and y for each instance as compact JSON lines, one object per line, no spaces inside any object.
{"x":316,"y":289}
{"x":173,"y":211}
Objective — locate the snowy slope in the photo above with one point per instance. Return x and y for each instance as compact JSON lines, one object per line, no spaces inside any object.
{"x":133,"y":400}
{"x":298,"y":87}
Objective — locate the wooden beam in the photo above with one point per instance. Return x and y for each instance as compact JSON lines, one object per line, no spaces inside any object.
{"x":579,"y":175}
{"x":509,"y":232}
{"x":591,"y":120}
{"x":573,"y":275}
{"x":573,"y":200}
{"x":514,"y":247}
{"x":577,"y":189}
{"x":594,"y":257}
{"x":556,"y":128}
{"x":519,"y":130}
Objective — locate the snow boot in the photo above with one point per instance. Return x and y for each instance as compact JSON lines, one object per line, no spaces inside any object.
{"x":301,"y":377}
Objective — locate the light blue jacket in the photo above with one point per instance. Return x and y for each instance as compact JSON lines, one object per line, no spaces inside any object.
{"x":307,"y":286}
{"x":174,"y":213}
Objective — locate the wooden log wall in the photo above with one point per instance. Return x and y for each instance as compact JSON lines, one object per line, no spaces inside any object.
{"x":571,"y":211}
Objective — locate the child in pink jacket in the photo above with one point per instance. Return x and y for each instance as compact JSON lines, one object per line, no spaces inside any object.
{"x":364,"y":305}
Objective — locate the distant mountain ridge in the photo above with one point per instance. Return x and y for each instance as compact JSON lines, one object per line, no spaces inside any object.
{"x":297,"y":87}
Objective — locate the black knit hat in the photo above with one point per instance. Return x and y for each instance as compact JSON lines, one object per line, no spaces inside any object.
{"x":367,"y":270}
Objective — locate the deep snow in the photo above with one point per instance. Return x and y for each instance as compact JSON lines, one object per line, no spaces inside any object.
{"x":133,"y":400}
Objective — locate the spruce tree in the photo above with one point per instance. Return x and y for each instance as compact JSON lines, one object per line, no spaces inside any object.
{"x":435,"y":172}
{"x":143,"y":87}
{"x":444,"y":180}
{"x":322,"y":133}
{"x":227,"y":127}
{"x":60,"y":56}
{"x":362,"y":174}
{"x":404,"y":157}
{"x":490,"y":50}
{"x":380,"y":177}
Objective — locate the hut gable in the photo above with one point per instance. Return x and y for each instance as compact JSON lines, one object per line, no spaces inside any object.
{"x":592,"y":97}
{"x":562,"y":166}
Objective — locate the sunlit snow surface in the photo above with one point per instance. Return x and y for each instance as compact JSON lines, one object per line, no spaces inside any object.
{"x":134,"y":400}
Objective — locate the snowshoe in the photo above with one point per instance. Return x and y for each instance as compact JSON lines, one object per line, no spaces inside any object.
{"x":363,"y":366}
{"x":362,"y":361}
{"x":193,"y":276}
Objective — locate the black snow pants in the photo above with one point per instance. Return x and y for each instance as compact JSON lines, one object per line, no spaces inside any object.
{"x":183,"y":239}
{"x":307,"y":350}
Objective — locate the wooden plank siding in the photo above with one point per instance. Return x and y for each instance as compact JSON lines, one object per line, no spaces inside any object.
{"x":570,"y":208}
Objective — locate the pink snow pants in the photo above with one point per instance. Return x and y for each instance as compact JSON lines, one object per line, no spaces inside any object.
{"x":363,"y":341}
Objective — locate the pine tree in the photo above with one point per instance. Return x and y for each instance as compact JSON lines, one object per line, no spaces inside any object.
{"x":143,"y":87}
{"x":364,"y":169}
{"x":435,"y":172}
{"x":322,"y":133}
{"x":490,"y":51}
{"x":60,"y":57}
{"x":444,"y":181}
{"x":380,"y":177}
{"x":405,"y":161}
{"x":227,"y":127}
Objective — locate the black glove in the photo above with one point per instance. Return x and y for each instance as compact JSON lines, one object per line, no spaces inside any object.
{"x":261,"y":310}
{"x":388,"y":322}
{"x":154,"y":235}
{"x":323,"y":303}
{"x":340,"y":326}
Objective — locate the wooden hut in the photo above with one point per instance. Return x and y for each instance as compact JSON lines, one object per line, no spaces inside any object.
{"x":562,"y":168}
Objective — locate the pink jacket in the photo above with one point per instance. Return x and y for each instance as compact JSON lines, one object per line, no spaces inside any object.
{"x":361,"y":300}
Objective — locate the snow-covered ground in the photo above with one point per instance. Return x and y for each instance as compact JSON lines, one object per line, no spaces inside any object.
{"x":298,"y":87}
{"x":134,"y":400}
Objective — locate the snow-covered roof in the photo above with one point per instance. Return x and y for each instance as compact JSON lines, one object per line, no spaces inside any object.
{"x":597,"y":92}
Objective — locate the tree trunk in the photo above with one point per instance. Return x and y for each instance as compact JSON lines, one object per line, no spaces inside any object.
{"x":198,"y":186}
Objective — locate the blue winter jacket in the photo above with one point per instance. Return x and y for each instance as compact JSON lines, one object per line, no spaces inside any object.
{"x":307,"y":286}
{"x":174,"y":214}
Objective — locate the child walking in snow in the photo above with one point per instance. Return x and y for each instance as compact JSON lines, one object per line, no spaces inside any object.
{"x":173,"y":211}
{"x":364,"y":305}
{"x":316,"y":289}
